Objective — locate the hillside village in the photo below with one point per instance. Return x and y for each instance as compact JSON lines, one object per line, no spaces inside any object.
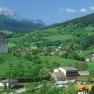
{"x":57,"y":59}
{"x":46,"y":46}
{"x":62,"y":76}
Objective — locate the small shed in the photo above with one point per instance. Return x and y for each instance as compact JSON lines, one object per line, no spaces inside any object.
{"x":84,"y":73}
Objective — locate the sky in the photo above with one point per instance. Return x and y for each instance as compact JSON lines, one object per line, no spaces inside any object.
{"x":50,"y":11}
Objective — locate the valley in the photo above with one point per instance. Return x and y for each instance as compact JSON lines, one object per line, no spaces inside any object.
{"x":36,"y":53}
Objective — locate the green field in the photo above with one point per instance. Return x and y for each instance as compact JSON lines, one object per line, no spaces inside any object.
{"x":9,"y":60}
{"x":49,"y":62}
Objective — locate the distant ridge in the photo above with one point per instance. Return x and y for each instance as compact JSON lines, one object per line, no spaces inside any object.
{"x":7,"y":23}
{"x":82,"y":21}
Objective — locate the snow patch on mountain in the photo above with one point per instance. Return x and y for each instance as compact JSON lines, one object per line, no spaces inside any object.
{"x":13,"y":14}
{"x":10,"y":13}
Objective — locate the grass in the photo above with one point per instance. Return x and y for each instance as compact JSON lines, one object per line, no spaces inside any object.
{"x":91,"y":66}
{"x":65,"y":62}
{"x":8,"y":60}
{"x":59,"y":60}
{"x":47,"y":61}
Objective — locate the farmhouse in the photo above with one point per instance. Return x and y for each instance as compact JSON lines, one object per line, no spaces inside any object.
{"x":57,"y":75}
{"x":8,"y":83}
{"x":70,"y":72}
{"x":3,"y":45}
{"x":64,"y":72}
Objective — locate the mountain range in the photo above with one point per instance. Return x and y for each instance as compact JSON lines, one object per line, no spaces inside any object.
{"x":11,"y":20}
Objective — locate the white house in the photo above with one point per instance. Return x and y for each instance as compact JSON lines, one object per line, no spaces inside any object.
{"x":69,"y":71}
{"x":57,"y":75}
{"x":3,"y":46}
{"x":82,"y":92}
{"x":8,"y":83}
{"x":64,"y":72}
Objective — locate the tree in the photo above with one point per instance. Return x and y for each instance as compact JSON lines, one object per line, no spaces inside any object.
{"x":44,"y":73}
{"x":28,"y":56}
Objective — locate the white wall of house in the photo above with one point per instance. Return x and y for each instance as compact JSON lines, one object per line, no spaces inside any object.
{"x":5,"y":84}
{"x":3,"y":48}
{"x":1,"y":85}
{"x":62,"y":70}
{"x":82,"y":92}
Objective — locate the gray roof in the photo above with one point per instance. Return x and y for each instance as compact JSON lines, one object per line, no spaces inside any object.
{"x":8,"y":81}
{"x":69,"y":68}
{"x":84,"y":73}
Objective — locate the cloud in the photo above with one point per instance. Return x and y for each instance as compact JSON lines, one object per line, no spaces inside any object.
{"x":91,"y":7}
{"x":83,"y":10}
{"x":74,"y":10}
{"x":70,"y":10}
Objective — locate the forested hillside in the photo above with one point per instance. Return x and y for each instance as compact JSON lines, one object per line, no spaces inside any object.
{"x":50,"y":47}
{"x":79,"y":33}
